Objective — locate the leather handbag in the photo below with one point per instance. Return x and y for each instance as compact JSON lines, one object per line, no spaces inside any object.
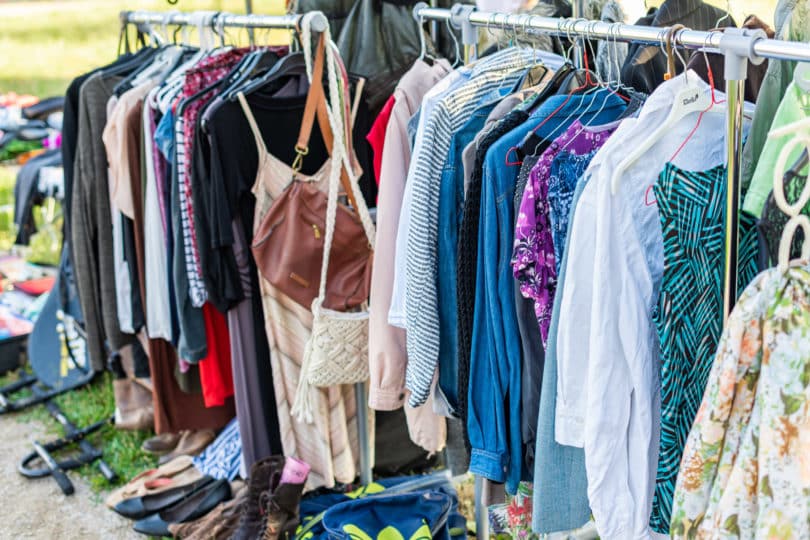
{"x":337,"y":350}
{"x":289,"y":243}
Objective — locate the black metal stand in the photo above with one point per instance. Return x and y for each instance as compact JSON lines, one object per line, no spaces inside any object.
{"x":73,"y":435}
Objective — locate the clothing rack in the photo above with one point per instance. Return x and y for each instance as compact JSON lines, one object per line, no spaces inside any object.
{"x":739,"y":46}
{"x":219,"y":20}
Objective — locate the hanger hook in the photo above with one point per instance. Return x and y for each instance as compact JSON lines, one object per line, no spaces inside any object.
{"x":726,"y":16}
{"x":422,"y":44}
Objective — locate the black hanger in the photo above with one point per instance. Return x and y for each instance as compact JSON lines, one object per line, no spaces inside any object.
{"x":136,"y":61}
{"x":291,"y":65}
{"x":254,"y":64}
{"x":125,"y":84}
{"x":563,"y":82}
{"x":551,"y":88}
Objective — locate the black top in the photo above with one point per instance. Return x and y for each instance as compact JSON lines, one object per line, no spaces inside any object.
{"x":646,"y":65}
{"x":468,"y":252}
{"x":225,"y":165}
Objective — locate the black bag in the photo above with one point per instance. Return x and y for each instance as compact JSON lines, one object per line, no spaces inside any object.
{"x":380,"y":42}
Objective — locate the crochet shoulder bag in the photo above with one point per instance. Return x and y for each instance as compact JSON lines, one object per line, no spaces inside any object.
{"x":337,"y":350}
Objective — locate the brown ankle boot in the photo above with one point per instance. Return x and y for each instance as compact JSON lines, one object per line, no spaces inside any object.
{"x":251,"y":522}
{"x":281,"y":517}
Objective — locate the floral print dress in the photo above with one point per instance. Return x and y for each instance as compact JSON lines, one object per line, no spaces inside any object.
{"x":746,"y":466}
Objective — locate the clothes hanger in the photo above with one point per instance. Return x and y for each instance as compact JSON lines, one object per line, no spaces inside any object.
{"x":797,"y":219}
{"x":585,"y":125}
{"x":424,"y":56}
{"x":582,"y":107}
{"x":532,"y":140}
{"x":689,"y":99}
{"x":714,"y":100}
{"x":724,"y":17}
{"x":455,"y":43}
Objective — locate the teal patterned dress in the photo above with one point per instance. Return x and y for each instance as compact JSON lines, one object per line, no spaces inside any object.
{"x":689,"y":314}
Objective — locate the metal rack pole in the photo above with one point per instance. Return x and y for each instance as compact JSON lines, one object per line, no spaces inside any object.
{"x":689,"y":39}
{"x":738,"y":45}
{"x":232,"y":20}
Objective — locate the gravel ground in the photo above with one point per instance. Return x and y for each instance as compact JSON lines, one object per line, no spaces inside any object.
{"x":37,"y":509}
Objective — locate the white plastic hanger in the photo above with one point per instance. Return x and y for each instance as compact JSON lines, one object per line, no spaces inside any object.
{"x":801,"y":130}
{"x":690,"y":99}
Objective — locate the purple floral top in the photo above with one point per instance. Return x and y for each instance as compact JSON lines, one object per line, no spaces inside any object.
{"x":533,"y":261}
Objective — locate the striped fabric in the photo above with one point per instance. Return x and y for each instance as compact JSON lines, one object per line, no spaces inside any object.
{"x":501,"y":70}
{"x":689,"y":318}
{"x":198,"y":78}
{"x":222,"y":459}
{"x":196,"y":286}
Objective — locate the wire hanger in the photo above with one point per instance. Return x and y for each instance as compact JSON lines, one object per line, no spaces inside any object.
{"x":714,"y":100}
{"x":455,"y":43}
{"x":726,"y":16}
{"x":688,"y":100}
{"x":423,"y":54}
{"x":588,"y":83}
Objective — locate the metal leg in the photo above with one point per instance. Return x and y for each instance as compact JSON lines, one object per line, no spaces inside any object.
{"x":734,"y":118}
{"x":481,"y":517}
{"x":363,"y":440}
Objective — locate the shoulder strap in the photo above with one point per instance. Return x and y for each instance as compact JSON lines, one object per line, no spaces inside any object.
{"x":254,"y":127}
{"x":316,"y":104}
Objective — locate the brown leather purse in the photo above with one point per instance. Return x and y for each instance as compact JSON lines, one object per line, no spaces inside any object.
{"x":288,"y":244}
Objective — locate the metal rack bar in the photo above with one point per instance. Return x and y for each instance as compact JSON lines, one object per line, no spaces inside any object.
{"x":231,"y":20}
{"x":690,"y":39}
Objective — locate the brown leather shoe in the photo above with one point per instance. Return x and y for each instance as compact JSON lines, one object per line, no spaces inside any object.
{"x":281,"y":512}
{"x":191,"y":443}
{"x":161,"y":444}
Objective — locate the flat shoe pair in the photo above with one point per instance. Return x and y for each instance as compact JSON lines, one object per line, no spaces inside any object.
{"x":141,"y":507}
{"x":192,"y":507}
{"x":176,"y":473}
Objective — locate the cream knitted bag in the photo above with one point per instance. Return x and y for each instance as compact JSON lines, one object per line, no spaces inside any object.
{"x":337,"y":350}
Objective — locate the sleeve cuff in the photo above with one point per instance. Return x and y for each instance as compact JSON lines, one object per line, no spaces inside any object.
{"x":490,"y":465}
{"x":569,"y":429}
{"x":385,"y":400}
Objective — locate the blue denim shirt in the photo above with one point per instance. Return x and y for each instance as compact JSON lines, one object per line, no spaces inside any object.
{"x":451,"y":201}
{"x":493,"y":420}
{"x":164,"y":136}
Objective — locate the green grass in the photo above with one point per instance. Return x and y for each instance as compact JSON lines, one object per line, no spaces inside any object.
{"x":46,"y":44}
{"x":85,"y":406}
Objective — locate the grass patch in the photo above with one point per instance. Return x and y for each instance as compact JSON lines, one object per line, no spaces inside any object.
{"x":47,"y":44}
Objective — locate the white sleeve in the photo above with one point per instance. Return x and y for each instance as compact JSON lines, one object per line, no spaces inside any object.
{"x":621,"y":443}
{"x":574,"y":324}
